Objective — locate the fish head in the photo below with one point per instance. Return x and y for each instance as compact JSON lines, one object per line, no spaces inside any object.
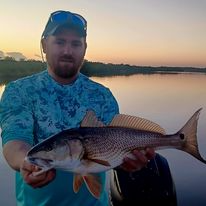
{"x":45,"y":153}
{"x":57,"y":153}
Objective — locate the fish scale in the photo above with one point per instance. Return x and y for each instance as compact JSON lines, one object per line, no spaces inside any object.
{"x":117,"y":142}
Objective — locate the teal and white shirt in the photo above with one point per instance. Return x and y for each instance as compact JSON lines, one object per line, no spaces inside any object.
{"x":36,"y":107}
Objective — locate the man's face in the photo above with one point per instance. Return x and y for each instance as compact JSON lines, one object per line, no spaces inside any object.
{"x":64,"y":53}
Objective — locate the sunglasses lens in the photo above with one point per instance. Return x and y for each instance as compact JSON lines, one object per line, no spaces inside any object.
{"x":78,"y":21}
{"x":60,"y":16}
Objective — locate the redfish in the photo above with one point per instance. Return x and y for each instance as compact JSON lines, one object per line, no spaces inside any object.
{"x":94,"y":147}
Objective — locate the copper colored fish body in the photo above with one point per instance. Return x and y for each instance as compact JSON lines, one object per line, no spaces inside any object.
{"x":94,"y":147}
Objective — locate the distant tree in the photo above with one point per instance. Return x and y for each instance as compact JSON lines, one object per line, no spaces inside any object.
{"x":7,"y":58}
{"x":22,"y":59}
{"x":32,"y":60}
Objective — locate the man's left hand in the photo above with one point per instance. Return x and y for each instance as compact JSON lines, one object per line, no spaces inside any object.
{"x":138,"y":160}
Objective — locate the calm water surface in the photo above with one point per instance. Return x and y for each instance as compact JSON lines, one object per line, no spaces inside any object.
{"x":168,"y":100}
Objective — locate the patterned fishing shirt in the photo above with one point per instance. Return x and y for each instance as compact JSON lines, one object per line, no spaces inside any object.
{"x":36,"y":107}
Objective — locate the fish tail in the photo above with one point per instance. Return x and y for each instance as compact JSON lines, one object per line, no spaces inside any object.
{"x":188,"y":134}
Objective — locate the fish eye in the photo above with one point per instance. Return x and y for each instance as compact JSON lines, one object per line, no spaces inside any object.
{"x":182,"y":136}
{"x":48,"y":148}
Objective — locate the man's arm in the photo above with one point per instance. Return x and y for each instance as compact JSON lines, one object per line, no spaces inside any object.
{"x":15,"y":152}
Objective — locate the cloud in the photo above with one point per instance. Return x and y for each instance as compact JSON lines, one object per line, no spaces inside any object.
{"x":2,"y":55}
{"x":16,"y":55}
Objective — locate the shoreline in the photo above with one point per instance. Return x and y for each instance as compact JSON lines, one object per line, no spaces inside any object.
{"x":11,"y":70}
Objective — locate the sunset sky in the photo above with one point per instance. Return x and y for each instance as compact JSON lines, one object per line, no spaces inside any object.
{"x":136,"y":32}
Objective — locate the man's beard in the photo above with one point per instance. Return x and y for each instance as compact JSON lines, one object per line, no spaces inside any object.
{"x":66,"y":72}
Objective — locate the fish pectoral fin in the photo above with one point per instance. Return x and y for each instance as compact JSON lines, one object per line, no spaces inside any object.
{"x":77,"y":182}
{"x":101,"y":162}
{"x":94,"y":184}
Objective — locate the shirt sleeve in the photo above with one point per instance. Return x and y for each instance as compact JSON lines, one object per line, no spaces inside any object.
{"x":16,"y":119}
{"x":110,"y":108}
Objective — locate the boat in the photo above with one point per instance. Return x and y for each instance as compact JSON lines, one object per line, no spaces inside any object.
{"x":152,"y":185}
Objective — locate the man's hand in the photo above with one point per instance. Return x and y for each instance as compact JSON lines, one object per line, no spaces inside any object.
{"x":138,"y":160}
{"x":38,"y":181}
{"x":14,"y":152}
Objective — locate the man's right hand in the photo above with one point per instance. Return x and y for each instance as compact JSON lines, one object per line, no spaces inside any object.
{"x":38,"y":181}
{"x":14,"y":152}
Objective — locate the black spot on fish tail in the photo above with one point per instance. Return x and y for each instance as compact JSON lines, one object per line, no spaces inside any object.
{"x":182,"y":136}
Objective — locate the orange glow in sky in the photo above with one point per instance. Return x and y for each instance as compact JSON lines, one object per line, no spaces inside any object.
{"x":137,"y":32}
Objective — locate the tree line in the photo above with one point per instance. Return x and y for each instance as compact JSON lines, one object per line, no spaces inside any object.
{"x":10,"y":69}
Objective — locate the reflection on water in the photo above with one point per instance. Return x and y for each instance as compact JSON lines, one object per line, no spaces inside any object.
{"x":169,"y":100}
{"x":166,"y":99}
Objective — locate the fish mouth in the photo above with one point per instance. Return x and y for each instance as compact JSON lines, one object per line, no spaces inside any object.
{"x":40,"y":162}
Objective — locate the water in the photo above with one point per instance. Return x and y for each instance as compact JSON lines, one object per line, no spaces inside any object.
{"x":168,"y":100}
{"x":7,"y":178}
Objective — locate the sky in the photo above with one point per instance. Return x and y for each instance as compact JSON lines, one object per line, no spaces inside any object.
{"x":135,"y":32}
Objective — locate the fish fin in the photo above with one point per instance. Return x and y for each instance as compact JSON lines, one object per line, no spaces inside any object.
{"x":189,"y":134}
{"x":77,"y":182}
{"x":90,"y":120}
{"x":94,"y":184}
{"x":41,"y":171}
{"x":101,"y":162}
{"x":122,"y":120}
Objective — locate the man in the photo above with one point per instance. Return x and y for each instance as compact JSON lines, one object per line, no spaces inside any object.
{"x":36,"y":107}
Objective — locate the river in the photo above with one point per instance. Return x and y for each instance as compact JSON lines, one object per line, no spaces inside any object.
{"x":169,"y":100}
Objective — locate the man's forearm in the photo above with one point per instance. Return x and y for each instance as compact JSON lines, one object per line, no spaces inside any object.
{"x":15,"y":152}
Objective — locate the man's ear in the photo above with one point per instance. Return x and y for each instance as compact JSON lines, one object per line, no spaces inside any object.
{"x":85,"y":48}
{"x":43,"y":44}
{"x":85,"y":45}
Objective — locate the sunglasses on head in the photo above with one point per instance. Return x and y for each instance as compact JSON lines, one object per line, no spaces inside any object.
{"x":65,"y":16}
